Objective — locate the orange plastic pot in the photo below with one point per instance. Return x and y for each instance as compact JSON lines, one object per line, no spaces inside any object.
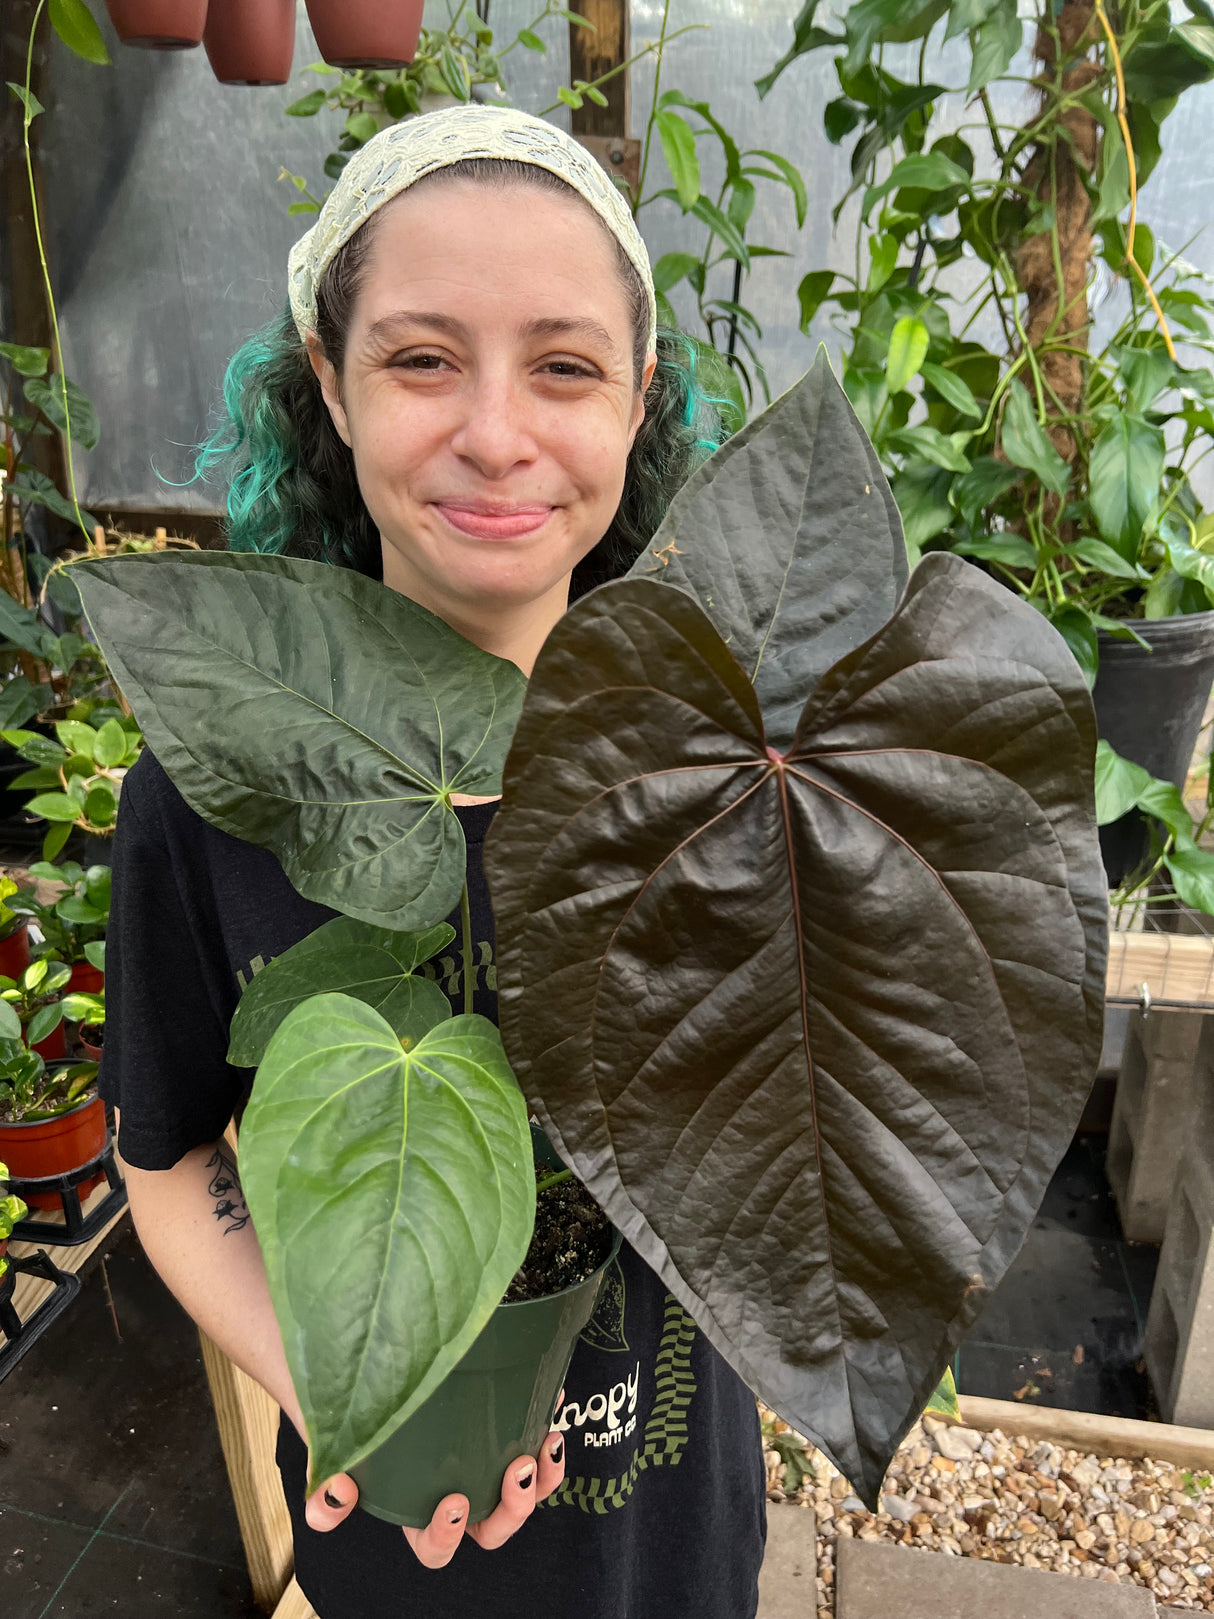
{"x":366,"y":33}
{"x":15,"y":951}
{"x":92,"y":1052}
{"x":85,"y":980}
{"x":159,"y":25}
{"x":36,"y":1149}
{"x":250,"y":41}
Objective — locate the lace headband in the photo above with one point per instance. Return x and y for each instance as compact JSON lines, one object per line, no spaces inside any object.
{"x":399,"y":156}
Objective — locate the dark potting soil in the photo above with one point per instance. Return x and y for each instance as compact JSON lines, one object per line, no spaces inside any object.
{"x":571,"y":1240}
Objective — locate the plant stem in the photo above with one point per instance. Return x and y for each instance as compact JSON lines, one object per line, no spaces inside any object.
{"x":555,"y":1179}
{"x":653,"y":111}
{"x":46,"y":274}
{"x":465,"y":920}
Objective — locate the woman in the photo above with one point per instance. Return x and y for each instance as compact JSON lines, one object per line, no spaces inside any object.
{"x":471,"y":401}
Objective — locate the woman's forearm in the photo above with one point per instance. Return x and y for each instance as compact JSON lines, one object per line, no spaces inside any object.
{"x":195,"y":1228}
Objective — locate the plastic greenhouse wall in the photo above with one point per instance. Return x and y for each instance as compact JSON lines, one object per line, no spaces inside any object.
{"x":169,"y":228}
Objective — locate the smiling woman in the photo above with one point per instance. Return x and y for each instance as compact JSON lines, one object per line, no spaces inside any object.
{"x":469,"y":400}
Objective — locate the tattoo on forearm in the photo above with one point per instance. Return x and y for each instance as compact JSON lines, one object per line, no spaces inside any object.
{"x":231,"y":1210}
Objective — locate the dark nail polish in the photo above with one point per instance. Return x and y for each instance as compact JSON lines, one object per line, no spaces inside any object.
{"x":557,"y":1451}
{"x":526,"y":1481}
{"x":456,"y":1517}
{"x":332,"y":1501}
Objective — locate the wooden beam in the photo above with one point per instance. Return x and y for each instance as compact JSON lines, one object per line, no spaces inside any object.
{"x":1088,"y":1431}
{"x":593,"y":52}
{"x":294,"y":1605}
{"x":1176,"y":968}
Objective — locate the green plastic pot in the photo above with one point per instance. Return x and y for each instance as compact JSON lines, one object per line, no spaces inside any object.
{"x":497,"y":1404}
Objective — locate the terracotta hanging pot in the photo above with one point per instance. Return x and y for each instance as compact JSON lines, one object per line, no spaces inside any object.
{"x":158,"y":25}
{"x":250,"y":41}
{"x":366,"y":33}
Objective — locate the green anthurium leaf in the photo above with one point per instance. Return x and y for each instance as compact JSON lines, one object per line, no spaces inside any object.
{"x":943,"y":1402}
{"x":1192,"y":873}
{"x":1124,"y":471}
{"x":26,"y":361}
{"x":355,"y":803}
{"x":46,"y":395}
{"x":77,"y":28}
{"x":394,"y":1196}
{"x":950,"y":387}
{"x":44,"y":1023}
{"x":830,"y":1163}
{"x":10,"y":1023}
{"x":764,"y":536}
{"x":1027,"y":444}
{"x":908,"y":344}
{"x":1119,"y":782}
{"x":371,"y":964}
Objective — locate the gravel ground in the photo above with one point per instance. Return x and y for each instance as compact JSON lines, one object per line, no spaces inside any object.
{"x":1014,"y":1500}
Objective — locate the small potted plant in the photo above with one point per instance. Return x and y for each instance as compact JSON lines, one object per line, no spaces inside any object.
{"x":14,"y":931}
{"x":12,"y":1209}
{"x":73,"y":923}
{"x":52,"y":1122}
{"x":800,"y":930}
{"x":36,"y":1000}
{"x":78,"y":774}
{"x":86,"y":1008}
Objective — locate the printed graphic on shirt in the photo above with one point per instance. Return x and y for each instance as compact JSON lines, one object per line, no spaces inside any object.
{"x":665,"y":1435}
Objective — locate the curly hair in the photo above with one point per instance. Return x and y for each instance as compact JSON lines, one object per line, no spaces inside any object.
{"x":292,"y":487}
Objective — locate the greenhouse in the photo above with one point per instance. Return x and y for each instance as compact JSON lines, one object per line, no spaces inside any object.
{"x":606,"y":656}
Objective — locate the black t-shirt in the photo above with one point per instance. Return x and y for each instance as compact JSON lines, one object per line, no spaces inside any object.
{"x":662,"y":1512}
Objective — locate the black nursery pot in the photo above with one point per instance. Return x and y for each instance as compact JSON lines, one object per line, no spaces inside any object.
{"x":497,"y":1404}
{"x":1149,"y":707}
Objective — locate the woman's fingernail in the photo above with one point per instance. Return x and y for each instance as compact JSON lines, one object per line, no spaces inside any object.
{"x":523,"y":1479}
{"x":455,"y":1517}
{"x":557,"y":1450}
{"x":332,"y":1501}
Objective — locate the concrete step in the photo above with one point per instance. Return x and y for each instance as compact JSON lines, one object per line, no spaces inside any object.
{"x":788,"y":1579}
{"x":874,"y":1580}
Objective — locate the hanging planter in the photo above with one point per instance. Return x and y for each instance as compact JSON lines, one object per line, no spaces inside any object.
{"x":366,"y":33}
{"x":250,"y":41}
{"x":158,"y":25}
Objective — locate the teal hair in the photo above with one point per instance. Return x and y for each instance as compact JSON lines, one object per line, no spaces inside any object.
{"x":292,"y":489}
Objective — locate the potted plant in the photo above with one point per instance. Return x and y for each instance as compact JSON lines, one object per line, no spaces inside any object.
{"x":366,"y":33}
{"x":78,"y":774}
{"x":52,"y":1122}
{"x":250,"y":41}
{"x":35,"y":999}
{"x":87,"y":1009}
{"x":12,"y":1209}
{"x":158,"y":25}
{"x":73,"y":923}
{"x":1062,"y":467}
{"x":14,"y":932}
{"x":827,"y":948}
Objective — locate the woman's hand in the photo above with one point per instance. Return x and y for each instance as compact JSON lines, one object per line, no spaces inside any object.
{"x":526,"y":1482}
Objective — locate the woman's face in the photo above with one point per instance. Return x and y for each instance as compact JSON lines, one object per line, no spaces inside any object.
{"x":488,"y":396}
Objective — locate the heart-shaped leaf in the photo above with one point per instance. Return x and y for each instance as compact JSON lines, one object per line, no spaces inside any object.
{"x":765,"y":536}
{"x":394,"y":1196}
{"x":343,"y":956}
{"x":813,"y":1026}
{"x":348,"y":717}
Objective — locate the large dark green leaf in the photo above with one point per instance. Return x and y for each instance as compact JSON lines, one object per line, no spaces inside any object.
{"x":833,"y":1011}
{"x":791,"y":542}
{"x":394,"y":1197}
{"x":343,"y":956}
{"x":349,"y":715}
